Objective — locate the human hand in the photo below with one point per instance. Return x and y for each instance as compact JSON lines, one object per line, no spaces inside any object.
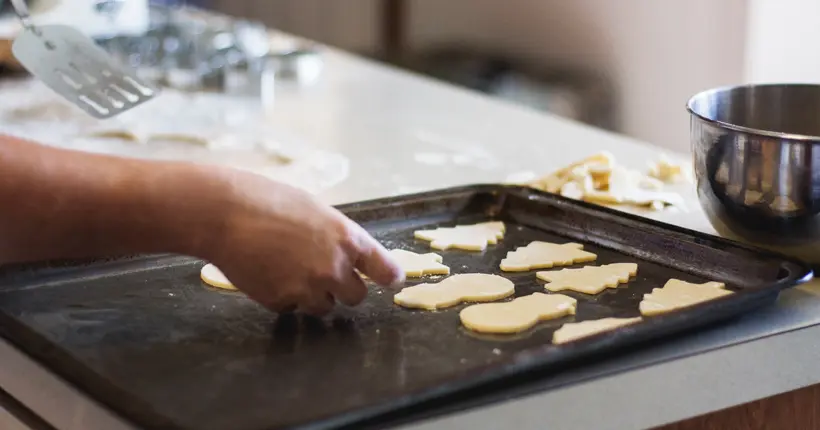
{"x":288,"y":252}
{"x":276,"y":243}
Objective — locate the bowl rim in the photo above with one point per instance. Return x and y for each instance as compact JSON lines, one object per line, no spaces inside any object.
{"x":753,"y":131}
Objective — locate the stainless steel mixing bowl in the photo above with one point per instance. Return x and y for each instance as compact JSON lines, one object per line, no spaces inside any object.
{"x":757,"y":163}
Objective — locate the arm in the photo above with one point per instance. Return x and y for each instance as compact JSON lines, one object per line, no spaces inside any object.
{"x":276,"y":243}
{"x":67,"y":204}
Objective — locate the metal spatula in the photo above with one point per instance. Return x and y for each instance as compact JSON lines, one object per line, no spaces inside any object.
{"x":72,"y":65}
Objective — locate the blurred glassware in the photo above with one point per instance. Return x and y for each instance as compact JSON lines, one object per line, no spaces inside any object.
{"x":109,"y":8}
{"x":190,"y":49}
{"x":302,"y":65}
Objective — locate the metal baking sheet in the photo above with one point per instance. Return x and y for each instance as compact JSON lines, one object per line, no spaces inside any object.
{"x":146,"y":338}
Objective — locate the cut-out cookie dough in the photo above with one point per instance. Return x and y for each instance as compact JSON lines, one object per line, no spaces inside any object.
{"x":214,"y":277}
{"x":570,"y":332}
{"x":471,"y":287}
{"x":545,"y":255}
{"x":589,"y":279}
{"x":474,"y":237}
{"x":677,"y":294}
{"x":518,"y":315}
{"x":418,"y":265}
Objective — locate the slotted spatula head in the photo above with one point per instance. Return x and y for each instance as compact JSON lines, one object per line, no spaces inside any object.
{"x":72,"y":65}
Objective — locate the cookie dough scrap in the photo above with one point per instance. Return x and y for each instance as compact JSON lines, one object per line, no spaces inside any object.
{"x":470,"y":287}
{"x":214,"y":277}
{"x":554,"y":181}
{"x":474,"y":237}
{"x":418,"y":265}
{"x":545,"y":255}
{"x":669,"y":171}
{"x":677,"y":294}
{"x":589,"y":279}
{"x":573,"y":331}
{"x":783,"y":204}
{"x":518,"y":315}
{"x":599,"y":179}
{"x":630,"y":187}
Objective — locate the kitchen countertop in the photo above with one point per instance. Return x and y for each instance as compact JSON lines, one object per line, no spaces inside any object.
{"x":403,"y":133}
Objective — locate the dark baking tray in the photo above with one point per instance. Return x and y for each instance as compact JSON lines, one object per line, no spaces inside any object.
{"x":145,"y":337}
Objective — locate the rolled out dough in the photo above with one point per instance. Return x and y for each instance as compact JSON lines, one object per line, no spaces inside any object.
{"x":518,"y":315}
{"x":573,"y":331}
{"x":474,"y":237}
{"x":214,"y":277}
{"x":471,"y":287}
{"x":677,"y":294}
{"x":544,"y":255}
{"x":589,"y":279}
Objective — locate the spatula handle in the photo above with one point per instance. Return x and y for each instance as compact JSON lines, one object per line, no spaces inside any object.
{"x":21,"y":9}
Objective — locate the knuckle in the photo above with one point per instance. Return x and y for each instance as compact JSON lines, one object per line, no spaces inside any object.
{"x":348,"y":238}
{"x":324,"y":277}
{"x":329,"y":273}
{"x":353,"y":292}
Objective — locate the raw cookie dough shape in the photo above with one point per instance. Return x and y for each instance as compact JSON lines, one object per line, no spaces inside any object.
{"x":474,"y":237}
{"x":677,"y":294}
{"x":518,"y":315}
{"x":545,"y":255}
{"x":214,"y":277}
{"x":570,"y":332}
{"x":418,"y":265}
{"x":589,"y":279}
{"x":470,"y":287}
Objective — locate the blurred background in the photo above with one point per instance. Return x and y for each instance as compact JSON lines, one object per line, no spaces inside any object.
{"x":626,"y":65}
{"x":623,"y":65}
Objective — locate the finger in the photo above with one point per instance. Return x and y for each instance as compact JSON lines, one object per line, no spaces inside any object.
{"x":374,"y":261}
{"x":317,"y":304}
{"x":351,"y":291}
{"x":282,"y":303}
{"x":377,"y":264}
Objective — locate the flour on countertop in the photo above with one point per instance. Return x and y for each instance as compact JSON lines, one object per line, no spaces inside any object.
{"x":196,"y":127}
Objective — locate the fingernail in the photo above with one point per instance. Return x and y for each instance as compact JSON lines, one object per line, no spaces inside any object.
{"x":399,"y":282}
